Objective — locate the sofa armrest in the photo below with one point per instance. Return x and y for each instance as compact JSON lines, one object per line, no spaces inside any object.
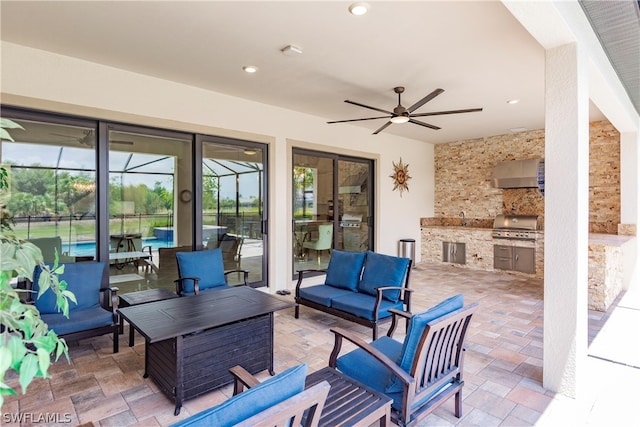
{"x":301,"y":274}
{"x":390,"y":364}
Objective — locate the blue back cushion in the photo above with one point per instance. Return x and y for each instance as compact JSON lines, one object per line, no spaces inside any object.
{"x":344,"y":269}
{"x":206,"y":265}
{"x":417,"y":325}
{"x":84,"y":279}
{"x":250,"y":402}
{"x":383,"y":270}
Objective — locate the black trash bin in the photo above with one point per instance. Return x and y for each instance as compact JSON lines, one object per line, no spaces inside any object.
{"x":407,"y":249}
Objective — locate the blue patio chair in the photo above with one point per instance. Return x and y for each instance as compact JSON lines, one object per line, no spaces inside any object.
{"x":201,"y":271}
{"x":96,"y":311}
{"x":420,"y":373}
{"x":281,"y":400}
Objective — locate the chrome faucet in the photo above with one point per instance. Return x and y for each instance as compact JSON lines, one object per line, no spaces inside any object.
{"x":464,"y":220}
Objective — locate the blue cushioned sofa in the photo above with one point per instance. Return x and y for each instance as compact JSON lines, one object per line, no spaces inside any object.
{"x":360,"y":286}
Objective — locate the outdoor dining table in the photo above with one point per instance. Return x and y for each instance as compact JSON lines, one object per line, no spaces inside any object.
{"x":191,"y":342}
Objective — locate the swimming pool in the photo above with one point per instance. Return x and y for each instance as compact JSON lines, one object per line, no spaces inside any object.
{"x":89,"y":248}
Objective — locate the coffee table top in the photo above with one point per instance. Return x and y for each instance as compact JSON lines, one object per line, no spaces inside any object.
{"x":145,"y":296}
{"x":161,"y":320}
{"x":349,"y":403}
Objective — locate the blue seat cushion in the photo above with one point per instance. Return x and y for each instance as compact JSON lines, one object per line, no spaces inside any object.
{"x":250,"y":402}
{"x":383,"y":270}
{"x":417,"y":325}
{"x":344,"y":269}
{"x":361,"y":305}
{"x":206,"y":265}
{"x":84,"y":279}
{"x":322,"y":294}
{"x":79,"y":320}
{"x":361,"y":366}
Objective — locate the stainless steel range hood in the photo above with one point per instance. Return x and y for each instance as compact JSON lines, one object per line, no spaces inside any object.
{"x":518,"y":174}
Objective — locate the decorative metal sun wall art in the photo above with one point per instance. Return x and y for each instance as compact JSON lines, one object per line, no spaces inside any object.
{"x":400,"y":176}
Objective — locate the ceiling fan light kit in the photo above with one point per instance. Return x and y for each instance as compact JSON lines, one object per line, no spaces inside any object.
{"x":401,"y":114}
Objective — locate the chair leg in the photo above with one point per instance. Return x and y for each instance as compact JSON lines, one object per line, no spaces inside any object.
{"x":116,"y":334}
{"x":458,"y":404}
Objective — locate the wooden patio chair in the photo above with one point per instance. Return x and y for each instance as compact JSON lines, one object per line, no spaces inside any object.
{"x":422,"y":372}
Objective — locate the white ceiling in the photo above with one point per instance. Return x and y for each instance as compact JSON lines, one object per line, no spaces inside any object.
{"x":476,"y":51}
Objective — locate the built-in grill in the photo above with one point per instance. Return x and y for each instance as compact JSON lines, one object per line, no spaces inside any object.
{"x":515,"y":227}
{"x":351,"y":231}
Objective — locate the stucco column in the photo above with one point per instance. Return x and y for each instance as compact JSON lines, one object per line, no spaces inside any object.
{"x":566,"y":218}
{"x":630,"y":202}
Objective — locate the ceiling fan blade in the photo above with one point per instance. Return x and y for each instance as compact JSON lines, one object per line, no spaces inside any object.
{"x":383,"y":127}
{"x":424,"y":100}
{"x":427,"y":125}
{"x":359,"y":120}
{"x":366,"y":106}
{"x":440,"y":113}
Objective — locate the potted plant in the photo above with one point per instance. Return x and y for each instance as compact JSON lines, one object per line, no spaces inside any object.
{"x":26,"y":343}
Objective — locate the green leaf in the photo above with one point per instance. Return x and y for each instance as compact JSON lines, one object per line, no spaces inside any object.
{"x":9,"y":124}
{"x":28,"y":370}
{"x":5,"y":360}
{"x":44,"y":360}
{"x":18,"y":351}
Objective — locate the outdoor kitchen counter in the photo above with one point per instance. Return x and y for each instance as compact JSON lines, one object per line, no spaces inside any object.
{"x":478,"y":242}
{"x":610,"y":268}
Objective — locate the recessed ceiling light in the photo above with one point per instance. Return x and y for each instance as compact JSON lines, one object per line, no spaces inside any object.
{"x":513,"y":101}
{"x":250,"y":69}
{"x":358,"y":8}
{"x":250,"y":151}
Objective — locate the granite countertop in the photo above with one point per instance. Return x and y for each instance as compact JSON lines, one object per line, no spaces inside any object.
{"x":609,"y":239}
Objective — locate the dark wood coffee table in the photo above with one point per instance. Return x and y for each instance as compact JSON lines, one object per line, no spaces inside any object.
{"x":350,"y":403}
{"x":191,"y":342}
{"x":142,"y":297}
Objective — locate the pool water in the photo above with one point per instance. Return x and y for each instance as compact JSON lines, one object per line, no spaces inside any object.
{"x":89,"y":248}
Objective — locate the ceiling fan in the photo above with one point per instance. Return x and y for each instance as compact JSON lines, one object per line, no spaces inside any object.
{"x":401,"y":114}
{"x":88,"y":138}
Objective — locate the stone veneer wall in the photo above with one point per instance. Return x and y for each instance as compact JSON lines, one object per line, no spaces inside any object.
{"x":604,"y":178}
{"x":605,"y":275}
{"x":463,"y":172}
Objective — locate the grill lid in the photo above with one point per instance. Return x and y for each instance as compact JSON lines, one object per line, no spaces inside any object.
{"x":516,"y":222}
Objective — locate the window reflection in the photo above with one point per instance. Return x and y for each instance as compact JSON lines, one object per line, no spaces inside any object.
{"x":53,"y":177}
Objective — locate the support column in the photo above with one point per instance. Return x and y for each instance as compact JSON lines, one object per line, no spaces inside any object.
{"x":630,"y":204}
{"x":566,"y":218}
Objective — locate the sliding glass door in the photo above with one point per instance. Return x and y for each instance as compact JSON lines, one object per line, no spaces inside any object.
{"x":150,"y":172}
{"x":332,"y":206}
{"x":234,"y":205}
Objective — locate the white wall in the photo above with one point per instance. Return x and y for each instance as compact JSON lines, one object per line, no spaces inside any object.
{"x":43,"y":80}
